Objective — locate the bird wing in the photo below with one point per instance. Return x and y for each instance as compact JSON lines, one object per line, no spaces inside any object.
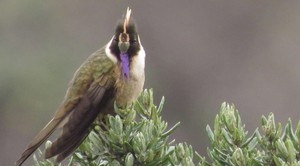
{"x":79,"y":121}
{"x":81,"y":94}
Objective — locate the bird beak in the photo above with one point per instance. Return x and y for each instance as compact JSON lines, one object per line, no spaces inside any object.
{"x":127,"y":18}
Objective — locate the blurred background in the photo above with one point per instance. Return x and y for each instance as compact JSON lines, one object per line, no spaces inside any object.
{"x":199,"y":54}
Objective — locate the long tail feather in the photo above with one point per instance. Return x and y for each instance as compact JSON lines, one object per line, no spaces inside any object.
{"x":39,"y":139}
{"x":79,"y":122}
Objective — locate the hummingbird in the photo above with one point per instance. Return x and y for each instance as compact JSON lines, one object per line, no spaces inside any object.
{"x":113,"y":74}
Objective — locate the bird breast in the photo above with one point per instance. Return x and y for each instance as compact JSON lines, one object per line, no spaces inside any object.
{"x":128,"y":90}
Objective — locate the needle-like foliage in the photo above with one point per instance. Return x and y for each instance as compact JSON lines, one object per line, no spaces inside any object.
{"x":138,"y":136}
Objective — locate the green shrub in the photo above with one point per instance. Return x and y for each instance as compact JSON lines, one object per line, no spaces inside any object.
{"x":138,"y":136}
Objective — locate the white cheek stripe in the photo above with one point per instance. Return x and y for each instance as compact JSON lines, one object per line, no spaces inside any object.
{"x":138,"y":63}
{"x":141,"y":55}
{"x":108,"y":52}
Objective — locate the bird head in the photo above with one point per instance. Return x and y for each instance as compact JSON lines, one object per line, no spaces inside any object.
{"x":125,"y":43}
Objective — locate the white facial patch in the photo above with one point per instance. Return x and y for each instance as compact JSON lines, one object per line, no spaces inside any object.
{"x":108,"y":52}
{"x":138,"y":62}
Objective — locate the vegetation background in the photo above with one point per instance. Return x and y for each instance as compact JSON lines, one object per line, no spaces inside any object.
{"x":199,"y":54}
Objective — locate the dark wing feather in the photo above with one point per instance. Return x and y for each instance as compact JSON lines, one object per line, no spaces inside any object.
{"x":81,"y":87}
{"x":44,"y":134}
{"x":79,"y":122}
{"x":72,"y":148}
{"x":38,"y":140}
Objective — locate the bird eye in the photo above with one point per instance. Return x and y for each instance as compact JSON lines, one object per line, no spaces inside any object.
{"x":133,"y":41}
{"x":115,"y":39}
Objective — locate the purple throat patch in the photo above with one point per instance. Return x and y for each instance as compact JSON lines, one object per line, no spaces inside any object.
{"x":125,"y":65}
